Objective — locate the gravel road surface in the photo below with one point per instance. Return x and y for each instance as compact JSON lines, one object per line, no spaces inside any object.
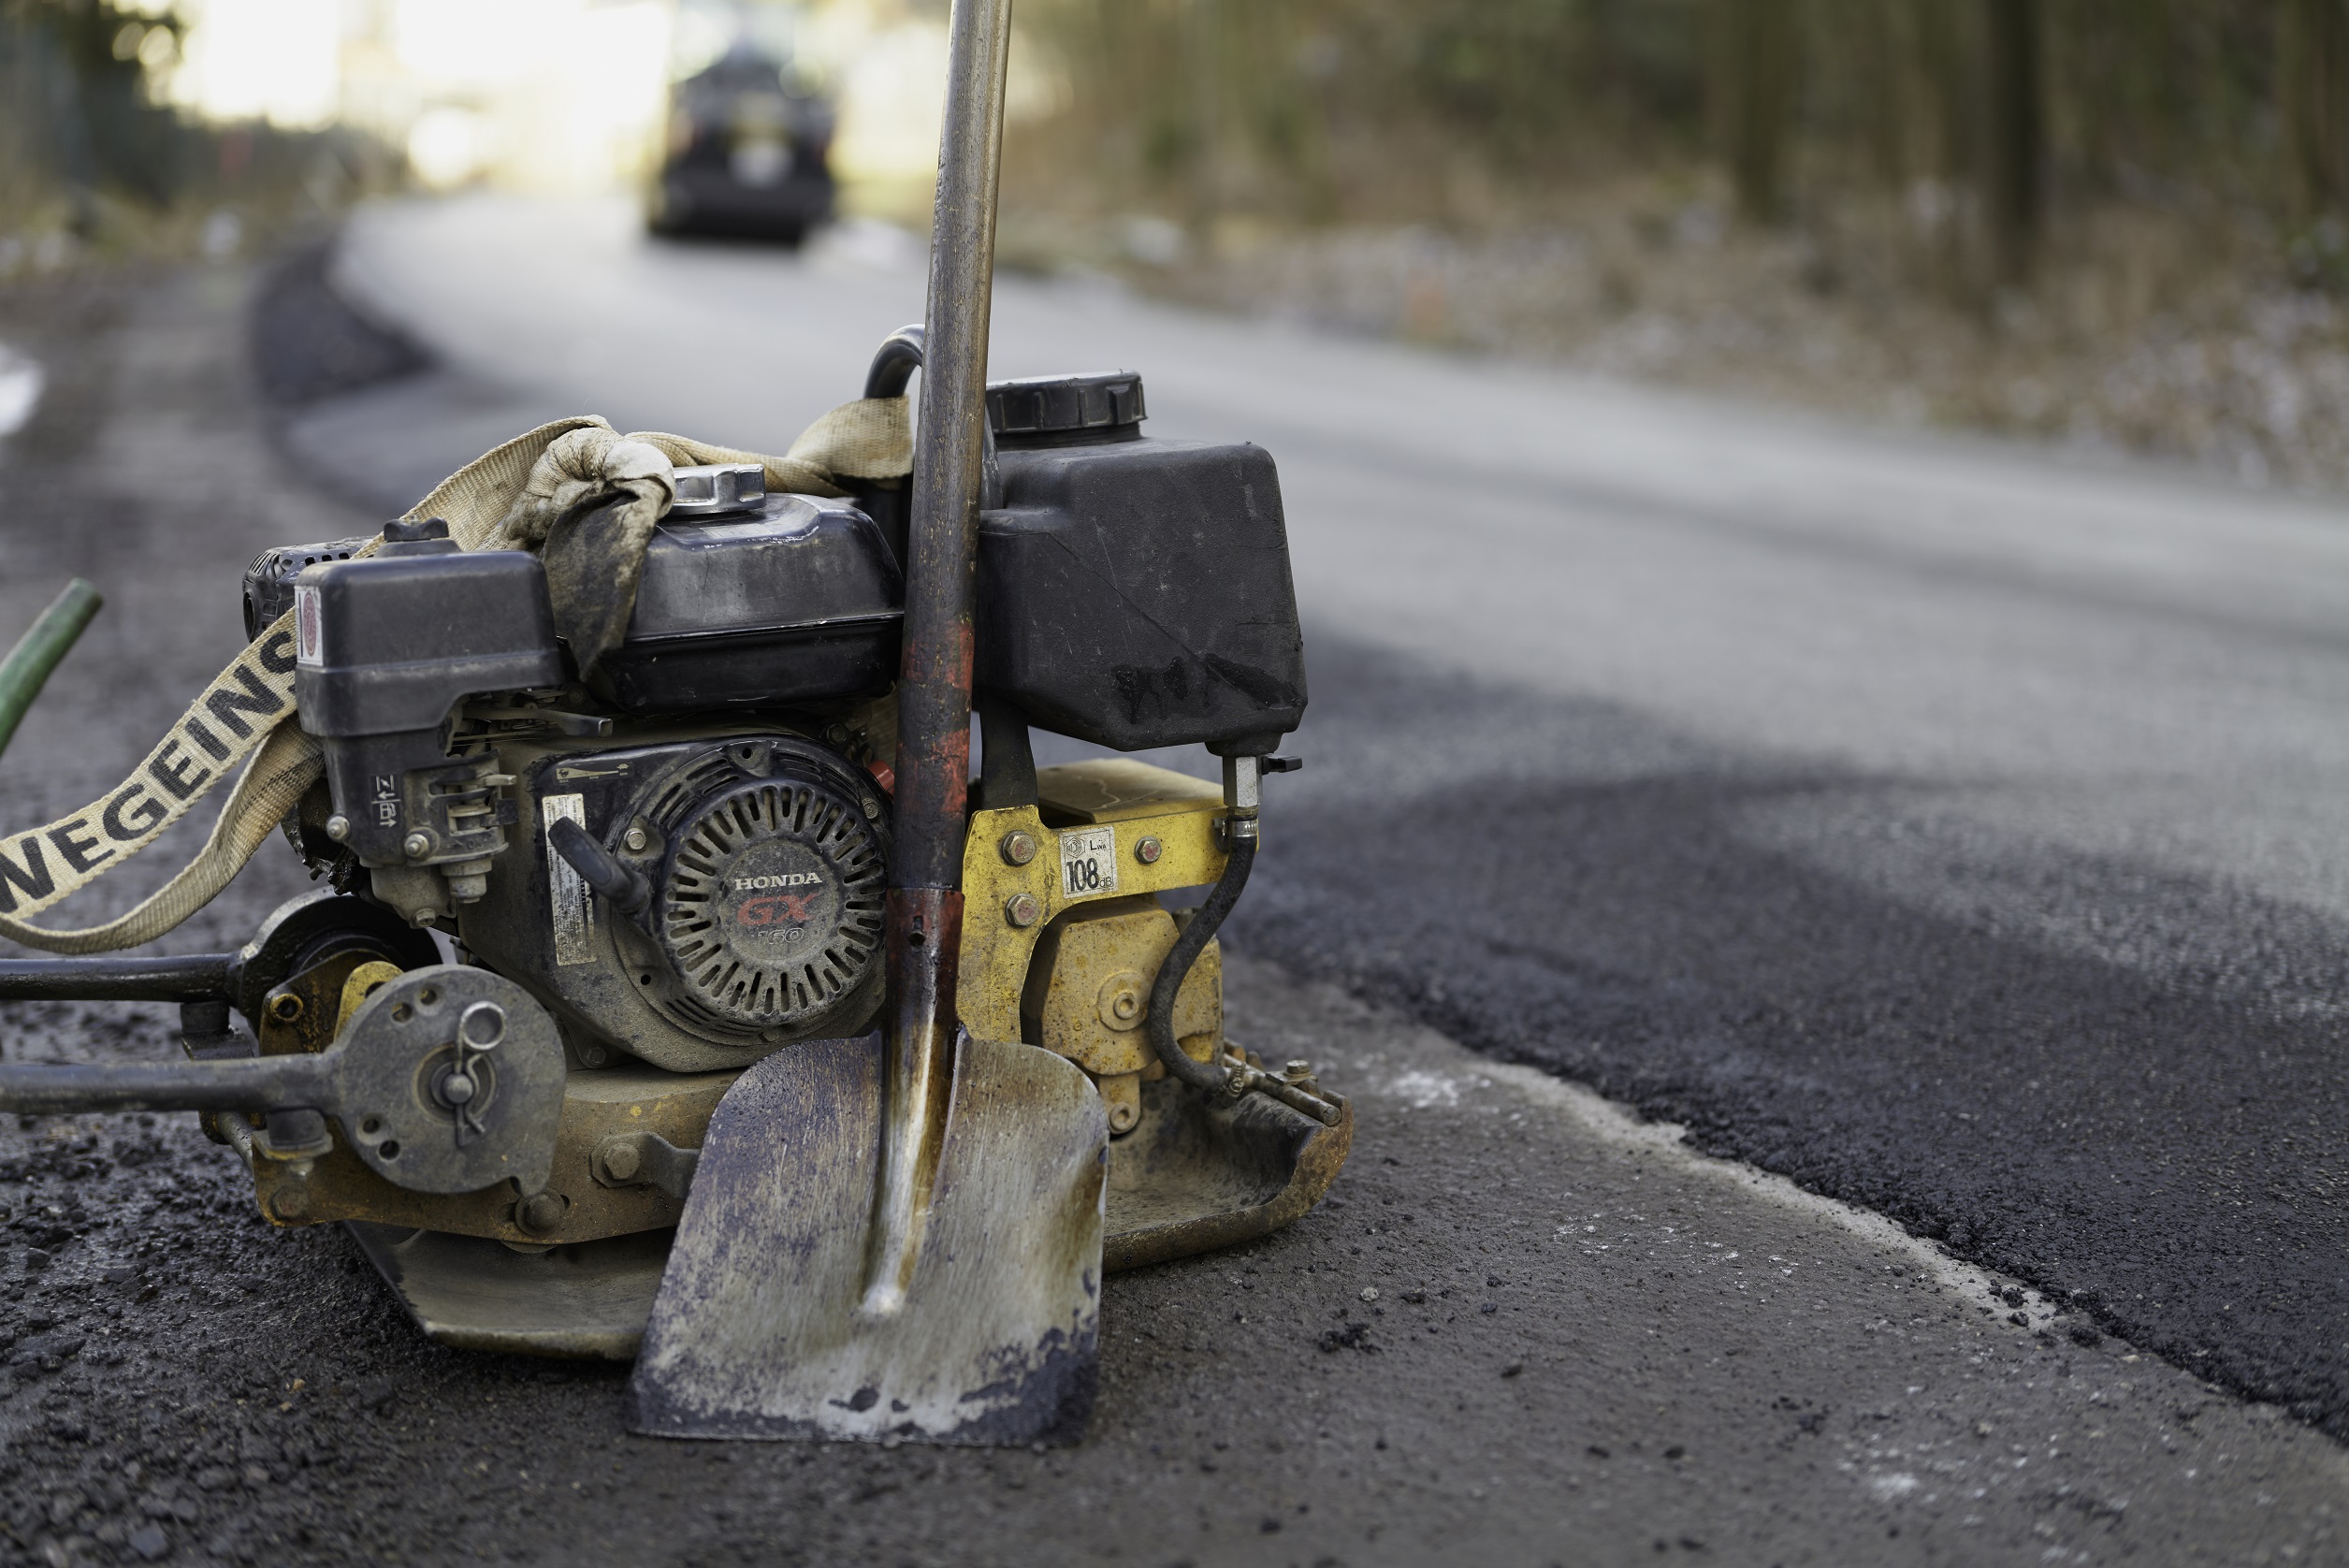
{"x":1943,"y":829}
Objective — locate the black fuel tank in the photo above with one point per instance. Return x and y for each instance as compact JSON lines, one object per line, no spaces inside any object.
{"x":796,"y":601}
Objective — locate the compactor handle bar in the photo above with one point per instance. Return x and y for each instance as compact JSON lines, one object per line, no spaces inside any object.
{"x":202,"y":977}
{"x":248,"y":1083}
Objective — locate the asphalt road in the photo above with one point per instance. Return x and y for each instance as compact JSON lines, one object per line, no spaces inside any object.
{"x":1938,"y":825}
{"x":1958,"y":829}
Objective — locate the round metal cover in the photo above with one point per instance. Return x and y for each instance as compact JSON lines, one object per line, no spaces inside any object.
{"x":450,"y":1080}
{"x":771,"y":918}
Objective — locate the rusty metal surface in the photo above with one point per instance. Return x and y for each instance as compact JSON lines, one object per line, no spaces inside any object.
{"x":759,"y":1330}
{"x":997,"y":951}
{"x":1119,"y":789}
{"x":933,"y":698}
{"x":923,"y":936}
{"x":1088,"y":990}
{"x":585,"y":1301}
{"x":449,"y":1079}
{"x":1191,"y":1178}
{"x":674,"y":1106}
{"x":306,"y":1013}
{"x":358,"y":984}
{"x":1196,"y":1176}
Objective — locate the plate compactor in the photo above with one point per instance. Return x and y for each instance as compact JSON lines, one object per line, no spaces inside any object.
{"x":677,"y":996}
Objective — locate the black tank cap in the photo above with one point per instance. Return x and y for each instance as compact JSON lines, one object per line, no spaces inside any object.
{"x":1066,"y":410}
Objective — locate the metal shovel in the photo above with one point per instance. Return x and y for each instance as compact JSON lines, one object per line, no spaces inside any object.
{"x":900,"y":1237}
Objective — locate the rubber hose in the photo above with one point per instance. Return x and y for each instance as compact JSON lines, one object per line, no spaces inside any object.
{"x":1207,"y":1075}
{"x":28,"y":665}
{"x":893,"y":365}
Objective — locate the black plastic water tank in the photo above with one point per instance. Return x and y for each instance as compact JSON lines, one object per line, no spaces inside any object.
{"x":1134,"y":593}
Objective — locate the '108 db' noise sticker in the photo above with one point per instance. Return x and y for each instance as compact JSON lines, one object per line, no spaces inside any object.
{"x":1088,"y":862}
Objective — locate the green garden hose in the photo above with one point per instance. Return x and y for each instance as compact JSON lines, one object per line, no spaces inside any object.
{"x":27,"y":668}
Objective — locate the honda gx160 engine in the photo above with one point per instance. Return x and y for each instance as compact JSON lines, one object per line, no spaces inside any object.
{"x":685,"y":858}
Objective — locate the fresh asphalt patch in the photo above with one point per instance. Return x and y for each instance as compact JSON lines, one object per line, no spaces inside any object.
{"x":2122,"y":1085}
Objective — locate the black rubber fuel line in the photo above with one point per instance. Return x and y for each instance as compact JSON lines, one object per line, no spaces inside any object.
{"x":1210,"y":1075}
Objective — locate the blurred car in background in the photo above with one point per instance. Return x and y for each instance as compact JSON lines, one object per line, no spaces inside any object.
{"x":747,"y":139}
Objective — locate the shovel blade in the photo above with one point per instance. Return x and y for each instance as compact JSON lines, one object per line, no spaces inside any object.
{"x":756,"y":1331}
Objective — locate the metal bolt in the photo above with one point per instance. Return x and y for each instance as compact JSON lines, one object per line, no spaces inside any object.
{"x":286,"y":1007}
{"x":290,"y":1202}
{"x":1120,"y":1001}
{"x":1018,"y":849}
{"x":416,"y":844}
{"x":622,"y":1160}
{"x":1022,"y":910}
{"x":456,"y":1089}
{"x":636,"y":839}
{"x":541,"y":1212}
{"x":1148,"y":850}
{"x":1296,"y":1069}
{"x":337,"y":827}
{"x":1124,"y":1116}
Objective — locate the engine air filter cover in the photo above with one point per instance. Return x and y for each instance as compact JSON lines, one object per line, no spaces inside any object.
{"x":770,"y":915}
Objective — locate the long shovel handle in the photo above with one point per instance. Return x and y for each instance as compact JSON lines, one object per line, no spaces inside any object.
{"x":28,"y":665}
{"x":934,"y":697}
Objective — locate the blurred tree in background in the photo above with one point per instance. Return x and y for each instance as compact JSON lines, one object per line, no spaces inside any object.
{"x":2119,"y":221}
{"x":2312,"y":91}
{"x":1994,"y":119}
{"x":88,"y":155}
{"x":1750,"y":92}
{"x":73,"y":116}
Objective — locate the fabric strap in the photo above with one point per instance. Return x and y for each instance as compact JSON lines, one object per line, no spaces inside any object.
{"x":578,"y":491}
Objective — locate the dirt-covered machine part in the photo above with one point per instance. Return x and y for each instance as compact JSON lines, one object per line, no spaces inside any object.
{"x":657,"y":876}
{"x":676,"y":994}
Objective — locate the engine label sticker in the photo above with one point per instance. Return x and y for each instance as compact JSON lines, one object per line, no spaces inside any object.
{"x":1088,"y":863}
{"x":567,"y":891}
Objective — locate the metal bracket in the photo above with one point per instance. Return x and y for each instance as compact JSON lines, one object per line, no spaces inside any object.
{"x":295,"y":1133}
{"x":1293,"y":1085}
{"x":645,"y":1160}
